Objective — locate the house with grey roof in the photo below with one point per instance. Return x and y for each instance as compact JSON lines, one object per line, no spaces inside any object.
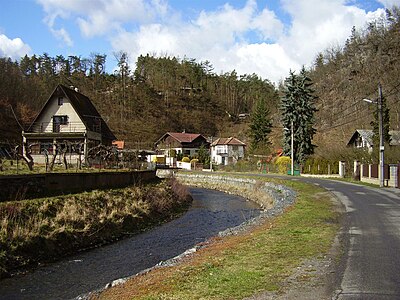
{"x":68,"y":118}
{"x":363,"y":139}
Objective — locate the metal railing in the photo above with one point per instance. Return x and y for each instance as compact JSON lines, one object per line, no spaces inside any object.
{"x":51,"y":127}
{"x":219,"y":152}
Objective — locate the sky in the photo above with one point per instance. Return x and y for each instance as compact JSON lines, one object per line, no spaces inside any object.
{"x":265,"y":37}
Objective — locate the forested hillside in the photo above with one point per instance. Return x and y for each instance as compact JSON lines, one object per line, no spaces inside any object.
{"x":344,"y":76}
{"x":141,"y":102}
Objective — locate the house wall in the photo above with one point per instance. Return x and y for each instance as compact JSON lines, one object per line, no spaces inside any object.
{"x":45,"y":122}
{"x":226,"y":154}
{"x":169,"y":143}
{"x":72,"y":159}
{"x":184,"y":165}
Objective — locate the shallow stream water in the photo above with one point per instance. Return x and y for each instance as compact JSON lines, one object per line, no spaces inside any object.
{"x":210,"y":213}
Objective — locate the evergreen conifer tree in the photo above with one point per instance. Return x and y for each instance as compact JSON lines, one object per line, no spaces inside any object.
{"x":298,"y":108}
{"x":260,"y":127}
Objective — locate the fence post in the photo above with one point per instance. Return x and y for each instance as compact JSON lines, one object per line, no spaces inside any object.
{"x":356,"y":170}
{"x":342,"y":168}
{"x":393,"y":176}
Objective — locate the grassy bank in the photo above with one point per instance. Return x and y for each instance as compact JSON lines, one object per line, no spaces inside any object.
{"x":240,"y":266}
{"x":47,"y":228}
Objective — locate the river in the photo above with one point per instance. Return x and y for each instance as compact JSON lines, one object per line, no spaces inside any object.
{"x":210,"y":213}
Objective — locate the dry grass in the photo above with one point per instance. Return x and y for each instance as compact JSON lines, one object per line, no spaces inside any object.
{"x":66,"y":223}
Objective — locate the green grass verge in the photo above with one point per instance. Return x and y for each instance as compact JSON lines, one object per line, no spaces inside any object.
{"x":241,"y":266}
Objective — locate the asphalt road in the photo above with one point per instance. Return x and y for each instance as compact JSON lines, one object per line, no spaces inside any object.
{"x":371,"y":241}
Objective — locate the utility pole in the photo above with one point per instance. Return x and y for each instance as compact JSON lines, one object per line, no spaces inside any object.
{"x":292,"y":150}
{"x":211,"y":156}
{"x":381,"y":143}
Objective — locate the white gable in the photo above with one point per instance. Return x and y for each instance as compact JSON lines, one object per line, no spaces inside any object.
{"x":56,"y":109}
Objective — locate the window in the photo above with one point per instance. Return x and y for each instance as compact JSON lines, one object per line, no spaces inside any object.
{"x":59,"y":120}
{"x":60,"y":101}
{"x":62,"y":120}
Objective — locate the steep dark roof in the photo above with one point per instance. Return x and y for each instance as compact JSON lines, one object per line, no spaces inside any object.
{"x":84,"y":108}
{"x":366,"y":134}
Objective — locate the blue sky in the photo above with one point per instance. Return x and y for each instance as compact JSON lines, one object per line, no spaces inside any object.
{"x":266,"y":37}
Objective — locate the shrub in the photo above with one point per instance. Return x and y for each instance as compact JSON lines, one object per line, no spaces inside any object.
{"x":179,"y":156}
{"x":185,"y":159}
{"x":172,"y":153}
{"x":194,"y":161}
{"x":283,"y":164}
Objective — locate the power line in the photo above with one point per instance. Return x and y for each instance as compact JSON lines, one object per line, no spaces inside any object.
{"x":339,"y":125}
{"x":388,"y":94}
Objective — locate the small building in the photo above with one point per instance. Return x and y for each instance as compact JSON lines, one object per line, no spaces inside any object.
{"x":68,"y":118}
{"x":363,"y":139}
{"x":227,"y":151}
{"x":172,"y":144}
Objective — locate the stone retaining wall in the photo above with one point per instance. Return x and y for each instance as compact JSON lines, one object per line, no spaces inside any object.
{"x":267,"y":194}
{"x":18,"y":187}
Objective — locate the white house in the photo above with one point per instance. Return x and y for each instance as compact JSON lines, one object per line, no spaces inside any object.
{"x":186,"y":144}
{"x":68,"y":118}
{"x":363,"y":139}
{"x":226,"y":151}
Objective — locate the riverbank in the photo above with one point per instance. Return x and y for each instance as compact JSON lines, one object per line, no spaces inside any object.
{"x":42,"y":230}
{"x":257,"y":263}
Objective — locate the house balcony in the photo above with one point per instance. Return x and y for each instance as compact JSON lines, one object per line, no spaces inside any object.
{"x":222,"y":152}
{"x":56,"y":128}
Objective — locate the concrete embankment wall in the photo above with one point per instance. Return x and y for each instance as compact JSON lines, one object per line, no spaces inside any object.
{"x":17,"y":187}
{"x":267,"y":194}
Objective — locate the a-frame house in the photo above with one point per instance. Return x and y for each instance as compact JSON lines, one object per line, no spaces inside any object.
{"x":70,"y":118}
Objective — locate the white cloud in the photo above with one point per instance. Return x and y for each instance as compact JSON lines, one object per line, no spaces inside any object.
{"x":14,"y":48}
{"x":320,"y":24}
{"x":225,"y":36}
{"x":218,"y":36}
{"x":262,"y":59}
{"x":62,"y":35}
{"x":101,"y":17}
{"x":268,"y":24}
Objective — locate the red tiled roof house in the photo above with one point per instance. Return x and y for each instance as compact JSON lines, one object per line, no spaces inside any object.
{"x":188,"y":144}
